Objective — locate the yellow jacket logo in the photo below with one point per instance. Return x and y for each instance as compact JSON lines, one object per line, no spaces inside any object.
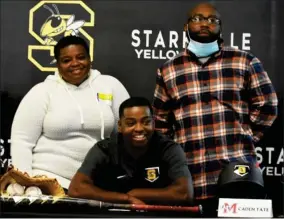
{"x":51,"y":20}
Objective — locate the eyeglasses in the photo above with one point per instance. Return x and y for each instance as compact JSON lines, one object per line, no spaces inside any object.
{"x":199,"y":19}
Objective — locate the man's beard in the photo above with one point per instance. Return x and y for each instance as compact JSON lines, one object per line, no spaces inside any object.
{"x":204,"y":39}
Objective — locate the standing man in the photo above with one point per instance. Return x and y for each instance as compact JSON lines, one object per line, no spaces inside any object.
{"x":215,"y":101}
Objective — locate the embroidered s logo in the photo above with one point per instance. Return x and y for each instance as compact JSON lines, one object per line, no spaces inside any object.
{"x":241,"y":170}
{"x":152,"y":174}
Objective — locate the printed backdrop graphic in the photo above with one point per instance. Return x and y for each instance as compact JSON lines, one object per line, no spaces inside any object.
{"x":130,"y":40}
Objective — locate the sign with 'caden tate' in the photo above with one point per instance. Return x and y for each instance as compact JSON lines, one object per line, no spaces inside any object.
{"x":257,"y":208}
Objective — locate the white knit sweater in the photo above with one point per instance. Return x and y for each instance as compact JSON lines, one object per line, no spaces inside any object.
{"x":57,"y":123}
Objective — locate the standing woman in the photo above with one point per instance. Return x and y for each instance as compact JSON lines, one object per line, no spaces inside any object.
{"x":60,"y":119}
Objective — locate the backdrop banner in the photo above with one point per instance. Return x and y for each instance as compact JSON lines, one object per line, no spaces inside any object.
{"x":130,"y":40}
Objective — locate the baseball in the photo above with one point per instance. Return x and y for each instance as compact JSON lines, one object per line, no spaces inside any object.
{"x":33,"y":191}
{"x":15,"y":189}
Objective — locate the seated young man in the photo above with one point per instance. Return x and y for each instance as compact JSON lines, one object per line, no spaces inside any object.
{"x":139,"y":166}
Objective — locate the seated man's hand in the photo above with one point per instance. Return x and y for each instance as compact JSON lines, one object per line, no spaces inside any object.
{"x":136,"y":201}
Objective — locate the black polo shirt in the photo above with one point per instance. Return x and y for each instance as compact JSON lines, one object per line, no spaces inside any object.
{"x":112,"y":169}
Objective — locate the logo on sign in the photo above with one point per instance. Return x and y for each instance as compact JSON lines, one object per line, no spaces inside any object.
{"x":152,"y":174}
{"x":51,"y":20}
{"x":241,"y":170}
{"x":229,"y":208}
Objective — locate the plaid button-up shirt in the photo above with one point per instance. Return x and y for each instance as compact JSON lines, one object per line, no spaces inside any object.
{"x":216,"y":110}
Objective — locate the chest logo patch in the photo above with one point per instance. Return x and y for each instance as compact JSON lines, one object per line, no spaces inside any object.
{"x":152,"y":173}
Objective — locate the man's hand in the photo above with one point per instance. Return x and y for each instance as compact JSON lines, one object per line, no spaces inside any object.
{"x":136,"y":201}
{"x":179,"y":192}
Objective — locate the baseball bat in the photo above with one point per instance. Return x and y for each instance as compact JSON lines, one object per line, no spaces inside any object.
{"x":98,"y":204}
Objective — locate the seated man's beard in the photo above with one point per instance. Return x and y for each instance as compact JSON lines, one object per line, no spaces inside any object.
{"x":204,"y":39}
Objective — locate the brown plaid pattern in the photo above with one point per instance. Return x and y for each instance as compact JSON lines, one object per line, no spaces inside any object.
{"x":216,"y":110}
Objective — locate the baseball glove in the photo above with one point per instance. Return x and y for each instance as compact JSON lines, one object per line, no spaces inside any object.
{"x":48,"y":186}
